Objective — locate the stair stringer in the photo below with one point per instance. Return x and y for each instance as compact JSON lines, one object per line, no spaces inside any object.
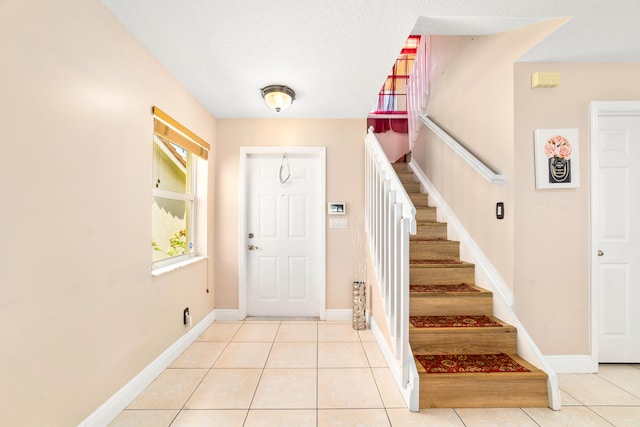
{"x":493,"y":281}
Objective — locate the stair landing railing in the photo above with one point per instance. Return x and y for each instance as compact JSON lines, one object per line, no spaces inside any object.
{"x":390,"y":218}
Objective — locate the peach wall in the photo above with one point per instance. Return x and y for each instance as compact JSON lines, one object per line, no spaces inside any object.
{"x":551,"y":282}
{"x":80,"y":314}
{"x":344,"y":140}
{"x":471,"y":97}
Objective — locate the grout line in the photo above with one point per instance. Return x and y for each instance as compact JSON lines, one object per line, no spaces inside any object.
{"x":262,"y":370}
{"x":616,"y":386}
{"x":203,"y":377}
{"x":459,"y":417}
{"x":600,"y":416}
{"x":530,"y":416}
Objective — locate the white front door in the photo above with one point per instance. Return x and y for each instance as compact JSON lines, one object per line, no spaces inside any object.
{"x":284,"y":234}
{"x":617,"y":239}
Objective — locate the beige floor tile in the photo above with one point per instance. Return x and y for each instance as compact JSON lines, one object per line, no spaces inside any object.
{"x":374,"y":354}
{"x":297,"y":332}
{"x":389,"y":392}
{"x":492,"y":417}
{"x":257,"y":332}
{"x":170,"y":390}
{"x":352,"y":417}
{"x":347,"y":388}
{"x":366,"y":335}
{"x":341,"y":355}
{"x":144,"y":418}
{"x":426,"y":417}
{"x":244,"y":355}
{"x":210,"y":418}
{"x":624,"y":376}
{"x":337,"y":331}
{"x":619,"y":416}
{"x":225,"y":389}
{"x":567,"y":400}
{"x":293,"y":355}
{"x":200,"y":354}
{"x":281,"y":418}
{"x":220,"y":331}
{"x":590,"y":389}
{"x":579,"y":416}
{"x":286,"y":389}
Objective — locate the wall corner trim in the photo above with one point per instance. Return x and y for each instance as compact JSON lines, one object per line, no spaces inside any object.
{"x":110,"y":409}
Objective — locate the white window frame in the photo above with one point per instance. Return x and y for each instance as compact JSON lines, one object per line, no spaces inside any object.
{"x":192,"y":170}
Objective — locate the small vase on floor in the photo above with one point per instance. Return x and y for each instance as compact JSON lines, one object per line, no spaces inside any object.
{"x":359,"y":306}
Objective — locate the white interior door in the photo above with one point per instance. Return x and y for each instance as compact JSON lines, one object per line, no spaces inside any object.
{"x":617,"y":181}
{"x":284,"y":239}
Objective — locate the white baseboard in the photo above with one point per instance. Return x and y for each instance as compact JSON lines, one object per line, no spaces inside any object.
{"x":573,"y":364}
{"x":334,"y":315}
{"x":109,"y":410}
{"x":331,"y":315}
{"x":229,"y":314}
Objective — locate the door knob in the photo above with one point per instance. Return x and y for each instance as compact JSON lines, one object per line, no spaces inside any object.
{"x":600,"y":253}
{"x":251,"y":247}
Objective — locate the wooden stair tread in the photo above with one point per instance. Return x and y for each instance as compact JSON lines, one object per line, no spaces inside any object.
{"x":442,"y":284}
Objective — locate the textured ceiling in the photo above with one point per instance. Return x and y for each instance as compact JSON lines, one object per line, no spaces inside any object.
{"x":336,"y":53}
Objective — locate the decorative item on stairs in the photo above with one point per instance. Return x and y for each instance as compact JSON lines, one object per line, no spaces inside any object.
{"x":556,"y":158}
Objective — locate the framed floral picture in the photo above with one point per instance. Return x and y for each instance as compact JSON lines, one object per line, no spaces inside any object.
{"x":557,"y":160}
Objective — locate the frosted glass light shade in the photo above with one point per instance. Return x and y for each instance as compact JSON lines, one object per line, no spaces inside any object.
{"x":278,"y":97}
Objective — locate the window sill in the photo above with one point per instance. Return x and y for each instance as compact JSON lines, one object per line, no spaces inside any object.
{"x":159,"y":271}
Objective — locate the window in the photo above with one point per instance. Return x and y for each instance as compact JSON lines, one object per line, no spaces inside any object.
{"x":393,"y":95}
{"x":176,"y":151}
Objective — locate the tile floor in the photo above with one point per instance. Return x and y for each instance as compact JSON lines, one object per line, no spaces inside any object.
{"x":308,"y":373}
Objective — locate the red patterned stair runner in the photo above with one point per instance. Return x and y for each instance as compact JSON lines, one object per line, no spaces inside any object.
{"x":460,"y":363}
{"x":452,"y":321}
{"x":462,"y":287}
{"x":434,"y":261}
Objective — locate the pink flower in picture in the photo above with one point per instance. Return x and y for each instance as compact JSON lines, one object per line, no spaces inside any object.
{"x":558,"y":146}
{"x":549,"y":149}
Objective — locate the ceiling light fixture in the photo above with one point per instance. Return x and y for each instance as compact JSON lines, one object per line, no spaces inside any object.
{"x":278,"y":97}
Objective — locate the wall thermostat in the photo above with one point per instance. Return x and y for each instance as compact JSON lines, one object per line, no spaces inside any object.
{"x":337,"y":208}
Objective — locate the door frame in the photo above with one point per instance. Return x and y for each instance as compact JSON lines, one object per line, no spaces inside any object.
{"x":320,"y":153}
{"x":599,"y":108}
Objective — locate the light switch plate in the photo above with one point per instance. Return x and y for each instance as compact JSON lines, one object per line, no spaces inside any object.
{"x":338,"y":223}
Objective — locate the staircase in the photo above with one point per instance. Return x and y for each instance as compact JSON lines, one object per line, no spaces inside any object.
{"x":465,"y":356}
